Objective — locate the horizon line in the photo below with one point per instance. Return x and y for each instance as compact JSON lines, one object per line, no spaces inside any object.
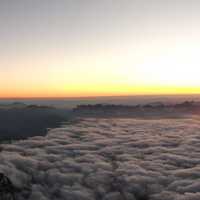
{"x":100,"y":96}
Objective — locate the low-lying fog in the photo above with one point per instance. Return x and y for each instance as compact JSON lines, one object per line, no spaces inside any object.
{"x":109,"y":159}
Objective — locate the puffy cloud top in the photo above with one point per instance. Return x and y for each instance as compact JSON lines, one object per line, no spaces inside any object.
{"x":108,"y":159}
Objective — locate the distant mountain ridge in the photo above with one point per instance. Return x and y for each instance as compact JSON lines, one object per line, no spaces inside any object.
{"x":140,"y":110}
{"x":21,"y":105}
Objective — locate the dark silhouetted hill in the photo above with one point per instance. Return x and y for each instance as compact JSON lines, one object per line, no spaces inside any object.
{"x":19,"y":121}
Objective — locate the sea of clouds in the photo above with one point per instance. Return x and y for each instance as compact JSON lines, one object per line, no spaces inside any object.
{"x":108,"y":159}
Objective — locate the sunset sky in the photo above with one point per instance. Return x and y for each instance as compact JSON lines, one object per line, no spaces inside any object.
{"x":62,"y":48}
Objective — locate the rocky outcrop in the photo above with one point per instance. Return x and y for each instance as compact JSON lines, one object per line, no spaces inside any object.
{"x":7,"y":190}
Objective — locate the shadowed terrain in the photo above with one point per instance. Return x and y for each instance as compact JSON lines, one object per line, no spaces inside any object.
{"x":19,"y":121}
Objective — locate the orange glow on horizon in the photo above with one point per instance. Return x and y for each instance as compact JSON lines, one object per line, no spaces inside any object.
{"x":75,"y":49}
{"x":99,"y":91}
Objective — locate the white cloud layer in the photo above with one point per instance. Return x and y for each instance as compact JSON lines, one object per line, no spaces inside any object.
{"x":108,"y":159}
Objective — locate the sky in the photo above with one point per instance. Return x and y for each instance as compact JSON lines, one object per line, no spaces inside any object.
{"x":67,"y":48}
